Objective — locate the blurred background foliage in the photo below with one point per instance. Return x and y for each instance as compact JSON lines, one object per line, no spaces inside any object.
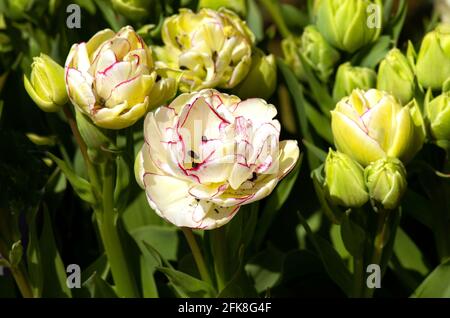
{"x":41,"y":215}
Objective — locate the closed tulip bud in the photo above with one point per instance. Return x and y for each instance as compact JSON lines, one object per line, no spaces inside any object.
{"x":433,"y":60}
{"x":386,"y":181}
{"x":261,"y":79}
{"x":320,"y":56}
{"x":238,"y":6}
{"x":396,"y":76}
{"x":438,"y":115}
{"x":349,"y":77}
{"x":207,"y":49}
{"x":135,"y":10}
{"x":370,"y":125}
{"x":344,"y":180}
{"x":112,"y":79}
{"x":349,"y":24}
{"x":46,"y":84}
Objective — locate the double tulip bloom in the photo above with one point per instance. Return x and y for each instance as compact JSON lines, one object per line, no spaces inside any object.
{"x":207,"y":49}
{"x":208,"y":153}
{"x":370,"y":125}
{"x":112,"y":79}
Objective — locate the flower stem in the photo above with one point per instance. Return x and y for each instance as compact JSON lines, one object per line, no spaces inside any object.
{"x":358,"y":276}
{"x":379,"y":242}
{"x":22,"y":282}
{"x":107,"y":223}
{"x":220,"y":256}
{"x":274,"y":9}
{"x":198,"y":257}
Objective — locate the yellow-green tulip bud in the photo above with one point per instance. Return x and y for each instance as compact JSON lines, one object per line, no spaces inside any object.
{"x":113,"y":80}
{"x":238,"y":6}
{"x":262,"y":78}
{"x":349,"y":24}
{"x":320,"y":56}
{"x":370,"y":125}
{"x":46,"y":85}
{"x":438,"y":115}
{"x":344,"y":180}
{"x":350,"y":77}
{"x":386,"y":181}
{"x":433,"y":60}
{"x":134,"y":10}
{"x":396,"y":76}
{"x":206,"y":49}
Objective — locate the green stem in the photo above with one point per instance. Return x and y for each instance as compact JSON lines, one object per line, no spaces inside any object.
{"x":218,"y":241}
{"x":379,"y":243}
{"x":358,"y":276}
{"x":275,"y":11}
{"x":22,"y":282}
{"x":107,"y":222}
{"x":198,"y":257}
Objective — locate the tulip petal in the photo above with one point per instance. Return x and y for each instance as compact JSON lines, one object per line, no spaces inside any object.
{"x":255,"y":109}
{"x":351,"y":140}
{"x":79,"y":89}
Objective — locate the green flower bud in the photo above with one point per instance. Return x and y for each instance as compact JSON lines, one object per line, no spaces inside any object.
{"x":386,"y":181}
{"x":349,"y":78}
{"x":135,"y":10}
{"x":207,"y":49}
{"x":349,"y":24}
{"x":438,"y":115}
{"x":261,"y":79}
{"x":320,"y":56}
{"x":46,"y":86}
{"x":433,"y":60}
{"x":238,"y":6}
{"x":344,"y":180}
{"x":396,"y":76}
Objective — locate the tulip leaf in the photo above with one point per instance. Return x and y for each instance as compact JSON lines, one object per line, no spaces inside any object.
{"x":321,"y":123}
{"x":187,"y":286}
{"x":372,"y":55}
{"x":275,"y":202}
{"x":265,"y":268}
{"x":34,"y":257}
{"x":115,"y":21}
{"x":255,"y":20}
{"x":98,"y":287}
{"x":353,"y":236}
{"x":81,"y":186}
{"x":436,"y":284}
{"x":296,"y":90}
{"x":396,"y":22}
{"x":319,"y":153}
{"x":53,"y":270}
{"x":295,"y":18}
{"x":331,"y":260}
{"x":100,"y":266}
{"x":163,"y":239}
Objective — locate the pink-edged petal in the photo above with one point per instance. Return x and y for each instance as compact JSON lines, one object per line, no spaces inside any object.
{"x":107,"y":79}
{"x":79,"y":90}
{"x":255,"y":109}
{"x":133,"y":90}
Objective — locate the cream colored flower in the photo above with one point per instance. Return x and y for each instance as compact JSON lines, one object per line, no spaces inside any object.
{"x":370,"y":125}
{"x":207,"y":49}
{"x":208,"y":153}
{"x":112,"y":79}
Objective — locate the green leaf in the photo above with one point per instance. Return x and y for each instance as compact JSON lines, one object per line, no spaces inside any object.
{"x":186,"y":285}
{"x":372,"y":55}
{"x":275,"y":202}
{"x":331,"y":260}
{"x":147,"y":267}
{"x":320,"y":123}
{"x":255,"y":20}
{"x":319,"y":153}
{"x":81,"y":186}
{"x":265,"y":268}
{"x":163,"y":239}
{"x":417,"y":206}
{"x":295,"y":18}
{"x":34,"y":263}
{"x":100,"y":266}
{"x":436,"y":285}
{"x":115,"y":21}
{"x":395,"y":25}
{"x":99,"y":288}
{"x":353,"y":236}
{"x":53,"y":269}
{"x":408,"y":254}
